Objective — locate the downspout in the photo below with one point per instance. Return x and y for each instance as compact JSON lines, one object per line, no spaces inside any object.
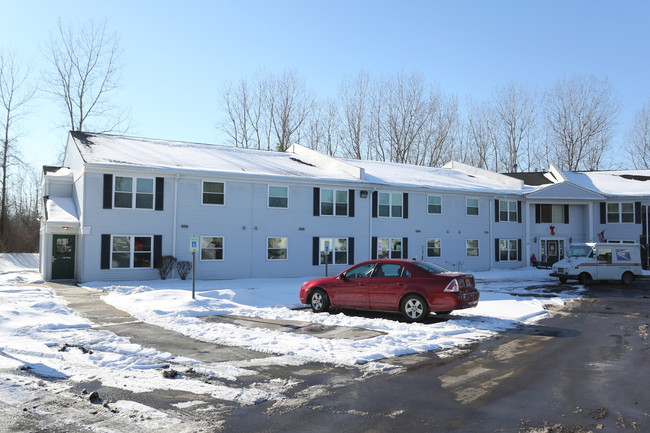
{"x":175,"y":214}
{"x":490,"y":242}
{"x":370,"y":222}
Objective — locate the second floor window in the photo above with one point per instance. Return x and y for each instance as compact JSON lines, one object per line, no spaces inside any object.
{"x":620,"y":212}
{"x":508,"y":211}
{"x":140,"y":197}
{"x":214,"y":193}
{"x":390,"y":205}
{"x":278,"y":196}
{"x":434,"y":204}
{"x":333,"y":202}
{"x":472,"y":206}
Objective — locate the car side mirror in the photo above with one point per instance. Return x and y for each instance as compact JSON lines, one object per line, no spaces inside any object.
{"x":342,"y":277}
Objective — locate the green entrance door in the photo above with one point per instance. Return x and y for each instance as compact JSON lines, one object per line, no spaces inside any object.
{"x":63,"y":255}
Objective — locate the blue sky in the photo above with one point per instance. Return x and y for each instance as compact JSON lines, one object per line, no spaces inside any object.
{"x":177,"y":55}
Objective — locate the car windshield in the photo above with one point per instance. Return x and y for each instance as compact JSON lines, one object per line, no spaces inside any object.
{"x":580,"y":251}
{"x":431,"y":267}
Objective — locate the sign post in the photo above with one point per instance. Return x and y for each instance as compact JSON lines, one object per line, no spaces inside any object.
{"x":194,"y":247}
{"x":327,"y":255}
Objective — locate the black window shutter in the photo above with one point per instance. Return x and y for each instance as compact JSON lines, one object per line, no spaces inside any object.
{"x":519,"y":253}
{"x":315,"y":251}
{"x":350,"y":251}
{"x":538,"y":213}
{"x":496,"y":250}
{"x":405,"y":248}
{"x":405,"y":203}
{"x":316,"y":201}
{"x":351,"y":203}
{"x":373,"y":253}
{"x":496,"y":210}
{"x":375,"y":202}
{"x":603,"y":213}
{"x":566,"y":214}
{"x":160,"y":192}
{"x":157,"y":251}
{"x":108,"y":191}
{"x":106,"y":252}
{"x":518,"y":211}
{"x":637,"y":212}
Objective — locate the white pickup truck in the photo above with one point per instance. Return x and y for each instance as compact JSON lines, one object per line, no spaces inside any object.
{"x":600,"y":261}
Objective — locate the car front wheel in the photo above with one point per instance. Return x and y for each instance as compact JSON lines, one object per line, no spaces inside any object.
{"x":320,"y":302}
{"x":415,"y":308}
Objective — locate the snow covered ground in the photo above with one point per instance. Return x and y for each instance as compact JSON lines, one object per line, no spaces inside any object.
{"x":35,"y":325}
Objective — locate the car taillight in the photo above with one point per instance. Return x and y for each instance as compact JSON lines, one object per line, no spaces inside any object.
{"x":452,"y":286}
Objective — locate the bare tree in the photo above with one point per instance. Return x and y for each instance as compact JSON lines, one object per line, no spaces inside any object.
{"x":482,"y":135}
{"x":581,"y":114}
{"x":15,"y":93}
{"x":516,"y":113}
{"x":638,"y":138}
{"x":355,"y":100}
{"x":323,"y":128}
{"x":289,"y":104}
{"x":84,"y":74}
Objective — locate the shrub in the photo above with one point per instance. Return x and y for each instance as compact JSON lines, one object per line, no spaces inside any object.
{"x":166,"y":266}
{"x":183,"y":268}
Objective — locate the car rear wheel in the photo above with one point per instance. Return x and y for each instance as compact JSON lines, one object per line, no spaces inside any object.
{"x":415,"y":308}
{"x":320,"y":302}
{"x":628,"y":278}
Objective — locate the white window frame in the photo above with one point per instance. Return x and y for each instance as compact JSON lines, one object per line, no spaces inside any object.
{"x":468,"y":207}
{"x":468,"y":248}
{"x":391,"y":205}
{"x":438,"y":204}
{"x":223,"y":249}
{"x":619,"y":212}
{"x":286,"y":248}
{"x":335,"y":202}
{"x":132,"y":251}
{"x":391,"y":250}
{"x":134,"y":192}
{"x":269,"y":197}
{"x":203,"y":203}
{"x":334,"y":249}
{"x":439,"y":247}
{"x":509,"y":250}
{"x":511,"y":211}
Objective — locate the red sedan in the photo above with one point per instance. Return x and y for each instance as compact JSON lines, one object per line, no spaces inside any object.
{"x":413,"y":287}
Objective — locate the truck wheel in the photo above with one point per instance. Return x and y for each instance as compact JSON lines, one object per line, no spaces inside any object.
{"x":584,"y":278}
{"x":563,"y":280}
{"x":627,"y":278}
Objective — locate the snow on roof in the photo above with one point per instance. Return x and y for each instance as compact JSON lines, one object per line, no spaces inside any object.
{"x":61,"y":210}
{"x":175,"y":155}
{"x":621,"y":183}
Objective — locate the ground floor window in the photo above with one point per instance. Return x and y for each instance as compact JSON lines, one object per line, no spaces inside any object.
{"x":508,"y":250}
{"x":472,"y":247}
{"x":389,"y":248}
{"x":433,"y":248}
{"x":131,"y":252}
{"x":276,"y":248}
{"x":334,"y":250}
{"x":211,"y":248}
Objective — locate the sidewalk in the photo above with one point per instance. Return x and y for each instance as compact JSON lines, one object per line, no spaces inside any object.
{"x":88,"y":304}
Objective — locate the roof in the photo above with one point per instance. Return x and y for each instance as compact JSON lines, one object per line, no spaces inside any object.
{"x":631,"y":183}
{"x":61,"y":210}
{"x":104,"y":149}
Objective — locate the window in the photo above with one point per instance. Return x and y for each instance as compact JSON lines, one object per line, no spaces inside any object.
{"x":211,"y":248}
{"x":391,"y":270}
{"x":553,"y":213}
{"x":276,"y":248}
{"x":433,"y":248}
{"x":389,"y":248}
{"x":390,"y":205}
{"x":508,"y":211}
{"x":125,"y":197}
{"x":434,"y":204}
{"x":337,"y":249}
{"x":472,"y":248}
{"x":333,"y":202}
{"x":361,"y":271}
{"x":620,"y":212}
{"x":508,"y":250}
{"x":213,"y":193}
{"x":278,"y":196}
{"x":131,"y":252}
{"x":604,"y":255}
{"x":472,"y":206}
